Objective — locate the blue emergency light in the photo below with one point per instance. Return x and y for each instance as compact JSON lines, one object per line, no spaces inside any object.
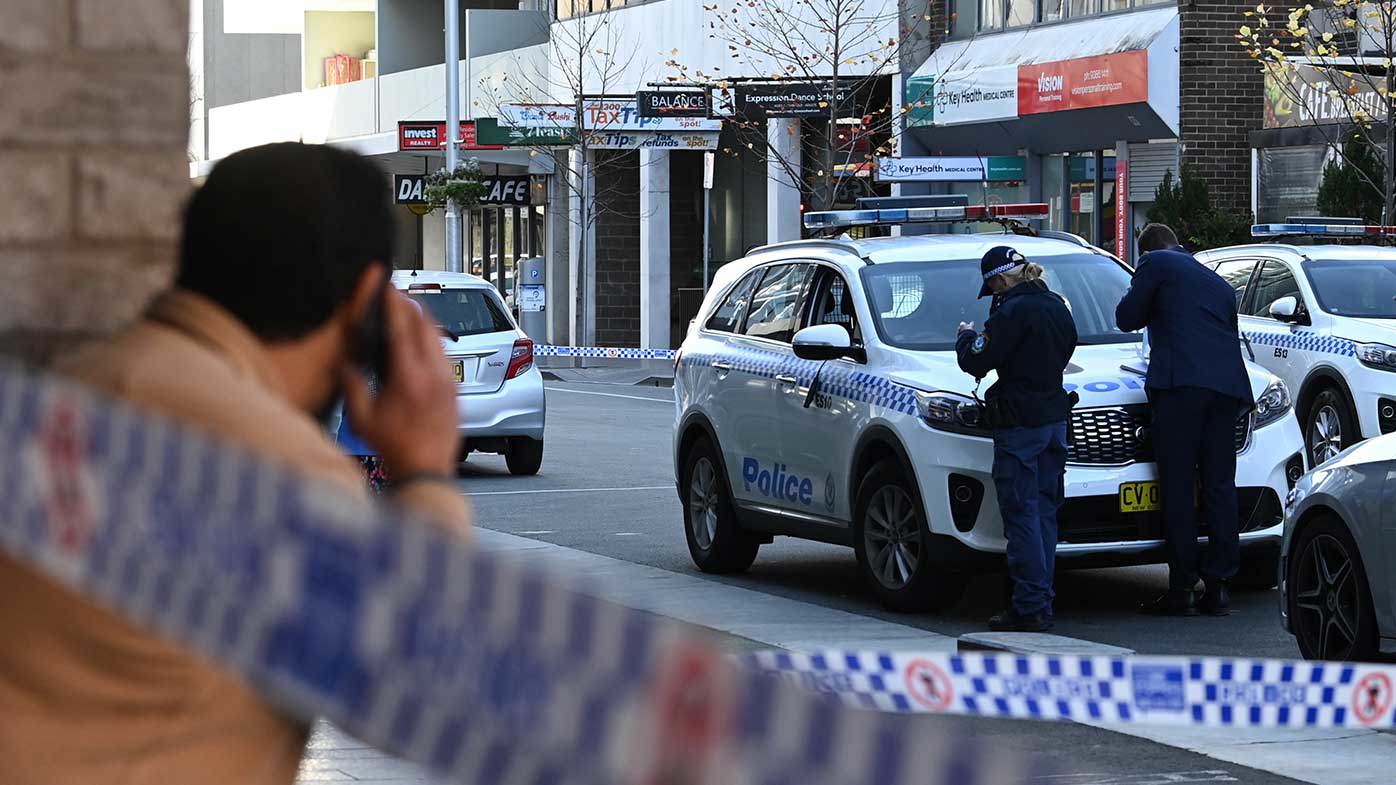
{"x":913,"y":210}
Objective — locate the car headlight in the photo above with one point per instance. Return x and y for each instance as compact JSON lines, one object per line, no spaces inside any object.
{"x":1377,"y":355}
{"x":951,"y":412}
{"x":1272,"y":404}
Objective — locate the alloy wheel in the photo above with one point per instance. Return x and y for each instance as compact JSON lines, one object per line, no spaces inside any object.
{"x":892,"y":537}
{"x":703,"y":503}
{"x":1325,"y":434}
{"x":1327,"y":598}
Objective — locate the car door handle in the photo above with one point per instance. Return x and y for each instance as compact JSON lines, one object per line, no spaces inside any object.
{"x":721,"y":366}
{"x":786,"y":379}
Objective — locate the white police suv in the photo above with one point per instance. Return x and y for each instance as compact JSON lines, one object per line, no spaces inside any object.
{"x":818,"y":396}
{"x":1323,"y":318}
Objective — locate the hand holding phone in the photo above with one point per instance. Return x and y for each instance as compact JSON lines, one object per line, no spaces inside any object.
{"x":411,"y":420}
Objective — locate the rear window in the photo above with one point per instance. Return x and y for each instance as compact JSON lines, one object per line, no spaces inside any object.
{"x":464,"y":311}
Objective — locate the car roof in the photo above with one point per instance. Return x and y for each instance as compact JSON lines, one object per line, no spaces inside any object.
{"x":937,"y":247}
{"x":1313,"y":253}
{"x":404,"y":278}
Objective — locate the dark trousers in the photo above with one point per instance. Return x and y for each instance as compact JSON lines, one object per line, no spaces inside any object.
{"x":1194,"y":435}
{"x":1029,"y":471}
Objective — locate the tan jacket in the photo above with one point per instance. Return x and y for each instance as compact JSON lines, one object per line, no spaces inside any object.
{"x":86,"y":697}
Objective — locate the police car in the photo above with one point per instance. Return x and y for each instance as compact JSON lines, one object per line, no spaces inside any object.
{"x":1323,"y":318}
{"x":818,"y":396}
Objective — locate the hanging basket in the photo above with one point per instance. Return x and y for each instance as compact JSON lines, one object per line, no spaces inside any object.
{"x":463,"y":186}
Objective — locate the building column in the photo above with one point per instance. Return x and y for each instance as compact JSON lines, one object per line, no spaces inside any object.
{"x":655,"y":291}
{"x":557,"y":251}
{"x":782,"y":193}
{"x":581,"y":246}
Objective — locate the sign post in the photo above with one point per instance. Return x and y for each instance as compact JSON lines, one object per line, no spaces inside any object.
{"x":1122,"y":222}
{"x":453,"y":233}
{"x":709,"y":163}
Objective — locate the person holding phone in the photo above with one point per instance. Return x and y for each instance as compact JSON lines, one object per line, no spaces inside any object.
{"x":280,"y":307}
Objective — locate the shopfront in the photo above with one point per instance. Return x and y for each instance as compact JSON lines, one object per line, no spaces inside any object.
{"x":1090,"y":107}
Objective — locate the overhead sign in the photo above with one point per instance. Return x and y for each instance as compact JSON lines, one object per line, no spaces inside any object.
{"x":599,"y":114}
{"x":500,"y":189}
{"x":489,"y":131}
{"x":918,"y":96}
{"x":976,"y":96}
{"x":660,"y":103}
{"x":1305,"y":94}
{"x":418,"y":135}
{"x":792,"y":99}
{"x":941,"y":169}
{"x":1085,"y":82}
{"x":660,"y":140}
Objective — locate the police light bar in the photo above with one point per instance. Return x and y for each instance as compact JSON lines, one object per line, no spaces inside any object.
{"x":1320,"y":229}
{"x":896,"y":216}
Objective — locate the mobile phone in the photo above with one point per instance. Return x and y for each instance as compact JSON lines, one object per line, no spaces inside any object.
{"x":371,"y":343}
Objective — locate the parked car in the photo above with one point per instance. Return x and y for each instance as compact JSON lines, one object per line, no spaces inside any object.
{"x":1337,"y":587}
{"x":499,"y":389}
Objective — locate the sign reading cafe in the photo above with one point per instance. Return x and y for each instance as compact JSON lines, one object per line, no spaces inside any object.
{"x":500,"y":189}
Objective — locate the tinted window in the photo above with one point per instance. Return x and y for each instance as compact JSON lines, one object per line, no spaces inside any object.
{"x":1237,"y":273}
{"x":1274,"y":282}
{"x":775,"y":306}
{"x":918,"y":305}
{"x":464,"y":311}
{"x":728,"y":315}
{"x":1355,"y":287}
{"x":833,"y":304}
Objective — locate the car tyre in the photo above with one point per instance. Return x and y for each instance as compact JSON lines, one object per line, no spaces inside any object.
{"x":715,"y":541}
{"x":1260,"y":569}
{"x":1330,"y":601}
{"x":1329,"y":426}
{"x":524,"y":456}
{"x":893,"y":545}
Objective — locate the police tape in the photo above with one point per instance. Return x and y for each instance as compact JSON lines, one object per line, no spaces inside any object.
{"x":471,"y":664}
{"x":1205,"y":691}
{"x":604,"y":352}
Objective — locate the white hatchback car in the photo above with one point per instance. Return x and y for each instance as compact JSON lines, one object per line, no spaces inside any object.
{"x":818,"y":396}
{"x":499,"y":389}
{"x":1323,"y":318}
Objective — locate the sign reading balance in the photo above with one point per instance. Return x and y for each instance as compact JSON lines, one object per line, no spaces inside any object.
{"x":1102,"y":80}
{"x":414,"y":135}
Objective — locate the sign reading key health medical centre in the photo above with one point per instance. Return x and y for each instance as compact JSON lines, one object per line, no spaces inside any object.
{"x":949,"y":169}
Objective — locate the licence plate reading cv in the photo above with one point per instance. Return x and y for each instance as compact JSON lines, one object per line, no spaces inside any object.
{"x":1140,"y":497}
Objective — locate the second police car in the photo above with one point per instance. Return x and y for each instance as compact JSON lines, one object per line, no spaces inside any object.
{"x":818,"y":396}
{"x":1323,"y":318}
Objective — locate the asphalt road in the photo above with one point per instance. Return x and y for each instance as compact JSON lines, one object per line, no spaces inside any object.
{"x":607,"y":488}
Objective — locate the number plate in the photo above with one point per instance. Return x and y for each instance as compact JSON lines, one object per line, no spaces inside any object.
{"x":458,"y":371}
{"x":1140,"y":497}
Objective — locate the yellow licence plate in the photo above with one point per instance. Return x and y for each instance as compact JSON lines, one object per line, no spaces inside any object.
{"x":458,"y":371}
{"x":1140,"y":497}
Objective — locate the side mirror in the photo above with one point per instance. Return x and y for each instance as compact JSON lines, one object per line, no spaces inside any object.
{"x":826,"y":342}
{"x":1285,"y":309}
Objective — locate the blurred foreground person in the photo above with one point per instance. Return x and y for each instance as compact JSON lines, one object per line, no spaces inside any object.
{"x":280,"y":303}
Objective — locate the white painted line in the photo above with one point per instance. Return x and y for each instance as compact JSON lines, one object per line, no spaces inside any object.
{"x":571,"y":490}
{"x":540,"y":531}
{"x":1159,"y":778}
{"x":610,"y":395}
{"x":627,"y":534}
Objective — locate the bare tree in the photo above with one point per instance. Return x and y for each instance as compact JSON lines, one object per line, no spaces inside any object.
{"x":584,"y":65}
{"x":1333,"y":66}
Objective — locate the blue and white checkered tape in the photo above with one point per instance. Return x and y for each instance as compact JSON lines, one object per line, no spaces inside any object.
{"x":1304,"y":341}
{"x":1158,"y":690}
{"x":604,"y":352}
{"x":838,"y":379}
{"x":402,"y":634}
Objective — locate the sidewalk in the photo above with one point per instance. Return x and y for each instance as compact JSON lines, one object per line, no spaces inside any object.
{"x":654,"y":373}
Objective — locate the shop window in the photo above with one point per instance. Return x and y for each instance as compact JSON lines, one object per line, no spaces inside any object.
{"x":1106,"y":6}
{"x":1083,"y":7}
{"x":1053,"y":10}
{"x":1021,"y":13}
{"x":1287,"y":181}
{"x":339,"y":47}
{"x":990,"y":14}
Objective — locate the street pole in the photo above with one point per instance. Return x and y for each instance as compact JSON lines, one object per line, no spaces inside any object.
{"x":709,"y":163}
{"x":453,"y":244}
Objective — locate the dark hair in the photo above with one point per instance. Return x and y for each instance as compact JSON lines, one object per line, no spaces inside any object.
{"x":1156,"y":237}
{"x":280,"y":235}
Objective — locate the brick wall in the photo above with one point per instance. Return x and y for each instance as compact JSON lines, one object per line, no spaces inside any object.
{"x":1221,"y":99}
{"x":94,"y":123}
{"x":617,"y":248}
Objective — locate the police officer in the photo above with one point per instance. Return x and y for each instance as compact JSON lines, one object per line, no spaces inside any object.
{"x":1197,"y":387}
{"x":1028,"y":338}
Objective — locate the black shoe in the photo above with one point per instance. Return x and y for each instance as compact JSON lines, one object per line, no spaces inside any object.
{"x":1171,"y":603}
{"x":1216,"y":600}
{"x":1011,"y":621}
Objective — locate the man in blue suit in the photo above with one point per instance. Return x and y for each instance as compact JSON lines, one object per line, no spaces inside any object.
{"x":1198,"y":387}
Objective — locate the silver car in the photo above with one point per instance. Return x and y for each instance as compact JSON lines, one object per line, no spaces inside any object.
{"x":1337,"y":589}
{"x":499,"y":389}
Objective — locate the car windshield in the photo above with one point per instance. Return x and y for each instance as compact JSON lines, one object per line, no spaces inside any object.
{"x":464,"y":311}
{"x":1355,"y":287}
{"x":918,"y":305}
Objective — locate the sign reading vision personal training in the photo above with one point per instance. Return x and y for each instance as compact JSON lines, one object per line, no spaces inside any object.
{"x":500,"y":189}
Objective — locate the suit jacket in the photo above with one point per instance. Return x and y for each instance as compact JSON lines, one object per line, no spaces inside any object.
{"x":1191,"y":315}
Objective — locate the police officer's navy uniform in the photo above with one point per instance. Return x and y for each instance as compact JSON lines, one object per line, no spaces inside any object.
{"x":1198,"y":387}
{"x":1029,"y":339}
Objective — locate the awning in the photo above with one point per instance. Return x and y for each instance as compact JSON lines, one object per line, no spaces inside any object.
{"x":1073,"y":86}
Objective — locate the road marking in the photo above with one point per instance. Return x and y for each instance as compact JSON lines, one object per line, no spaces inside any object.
{"x":627,"y":534}
{"x":572,"y":490}
{"x":611,"y":395}
{"x":1160,"y":778}
{"x":539,"y":531}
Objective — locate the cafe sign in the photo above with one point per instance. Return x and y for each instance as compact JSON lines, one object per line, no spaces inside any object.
{"x":500,"y":189}
{"x":1306,"y":94}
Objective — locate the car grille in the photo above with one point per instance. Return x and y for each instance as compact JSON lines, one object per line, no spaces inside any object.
{"x":1119,"y":435}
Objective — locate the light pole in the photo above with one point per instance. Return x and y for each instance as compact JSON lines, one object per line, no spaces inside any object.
{"x":453,"y":140}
